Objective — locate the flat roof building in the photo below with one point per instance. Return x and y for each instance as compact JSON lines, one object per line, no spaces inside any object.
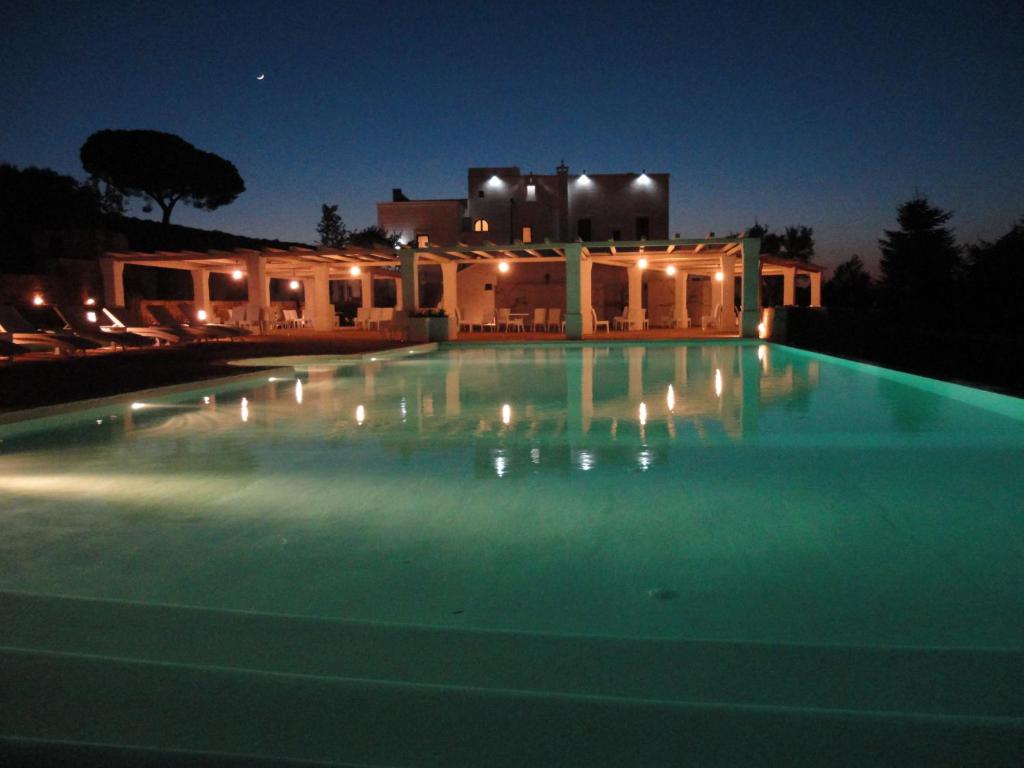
{"x":504,"y":205}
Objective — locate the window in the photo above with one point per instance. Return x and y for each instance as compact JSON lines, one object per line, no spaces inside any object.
{"x":480,"y":193}
{"x":481,"y":225}
{"x":531,"y":192}
{"x":422,"y":241}
{"x":583,"y":229}
{"x":643,"y":227}
{"x":527,"y":234}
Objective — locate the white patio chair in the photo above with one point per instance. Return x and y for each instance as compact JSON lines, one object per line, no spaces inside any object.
{"x":514,"y":323}
{"x":645,"y":322}
{"x":554,"y":322}
{"x":490,"y":321}
{"x":503,"y":318}
{"x":621,"y":322}
{"x":291,"y":318}
{"x":474,"y":319}
{"x":539,"y":318}
{"x":362,"y":319}
{"x":714,"y":320}
{"x":376,"y":317}
{"x":598,"y":323}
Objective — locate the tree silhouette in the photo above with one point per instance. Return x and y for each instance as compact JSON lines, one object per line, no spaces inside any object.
{"x":920,"y":261}
{"x":797,"y":243}
{"x":331,"y":228}
{"x":162,"y":167}
{"x":851,"y":286}
{"x":770,"y":241}
{"x":995,"y":282}
{"x":374,"y":236}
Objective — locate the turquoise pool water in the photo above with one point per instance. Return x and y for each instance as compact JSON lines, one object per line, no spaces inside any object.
{"x":736,"y":492}
{"x":737,"y":499}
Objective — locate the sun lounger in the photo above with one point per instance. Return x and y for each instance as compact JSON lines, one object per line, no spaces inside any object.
{"x":118,"y":319}
{"x":228,"y":331}
{"x":85,"y":323}
{"x":29,"y":336}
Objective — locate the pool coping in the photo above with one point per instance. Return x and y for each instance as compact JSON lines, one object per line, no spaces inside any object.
{"x":305,"y":361}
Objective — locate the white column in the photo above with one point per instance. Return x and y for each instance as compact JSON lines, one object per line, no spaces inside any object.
{"x":450,"y":288}
{"x":727,"y":264}
{"x":586,"y":295}
{"x":258,"y":285}
{"x":636,"y":297}
{"x":815,"y":289}
{"x":366,"y":289}
{"x":751,"y":297}
{"x":319,"y":298}
{"x":410,"y":280}
{"x":398,"y":293}
{"x":788,"y":286}
{"x":201,"y":292}
{"x":113,"y":282}
{"x":573,"y":291}
{"x":681,"y":313}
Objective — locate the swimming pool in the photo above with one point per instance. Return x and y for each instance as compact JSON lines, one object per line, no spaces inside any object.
{"x":793,"y":525}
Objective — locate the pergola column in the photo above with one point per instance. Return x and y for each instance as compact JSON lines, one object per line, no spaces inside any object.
{"x":450,"y":288}
{"x":586,"y":295}
{"x":573,"y":291}
{"x":410,"y":280}
{"x":751,"y":297}
{"x":788,"y":286}
{"x":636,"y":296}
{"x":257,"y":281}
{"x":815,"y":289}
{"x":318,"y":300}
{"x":681,"y":312}
{"x":113,"y":281}
{"x":366,"y":289}
{"x":201,"y":291}
{"x":398,"y":293}
{"x":728,"y":285}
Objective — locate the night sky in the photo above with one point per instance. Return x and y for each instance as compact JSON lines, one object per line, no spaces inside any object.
{"x":828,"y":115}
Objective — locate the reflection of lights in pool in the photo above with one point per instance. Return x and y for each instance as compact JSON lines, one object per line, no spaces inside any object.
{"x":245,"y":409}
{"x":643,"y":413}
{"x":373,"y":359}
{"x":506,"y":413}
{"x":206,"y":400}
{"x":762,"y":350}
{"x":585,"y":460}
{"x":138,"y":406}
{"x":500,"y":463}
{"x":298,"y":391}
{"x":272,"y":378}
{"x":360,"y":414}
{"x":402,"y":408}
{"x":670,"y":398}
{"x":644,"y":459}
{"x":99,"y":421}
{"x":718,"y":382}
{"x":535,"y":455}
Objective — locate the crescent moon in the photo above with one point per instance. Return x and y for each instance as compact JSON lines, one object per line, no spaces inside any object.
{"x":260,"y":76}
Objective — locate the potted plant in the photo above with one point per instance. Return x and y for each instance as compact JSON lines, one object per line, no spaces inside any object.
{"x":431,"y":325}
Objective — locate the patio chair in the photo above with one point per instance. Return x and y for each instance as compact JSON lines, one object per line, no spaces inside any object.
{"x":23,"y":333}
{"x":680,"y":322}
{"x":165,"y":319}
{"x":290,"y":318}
{"x":645,"y":322}
{"x":374,"y":318}
{"x":514,"y":323}
{"x":490,"y":321}
{"x":598,"y":323}
{"x":503,"y":318}
{"x":714,"y":320}
{"x":539,"y":318}
{"x":362,"y":319}
{"x":9,"y":349}
{"x":554,"y":322}
{"x":620,"y":322}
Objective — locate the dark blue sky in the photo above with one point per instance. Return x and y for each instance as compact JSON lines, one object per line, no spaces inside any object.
{"x":816,"y":113}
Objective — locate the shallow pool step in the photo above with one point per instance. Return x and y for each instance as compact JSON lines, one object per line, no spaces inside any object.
{"x":962,"y":683}
{"x":64,"y":698}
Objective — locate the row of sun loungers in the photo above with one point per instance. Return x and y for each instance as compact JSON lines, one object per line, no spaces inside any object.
{"x":73,"y":330}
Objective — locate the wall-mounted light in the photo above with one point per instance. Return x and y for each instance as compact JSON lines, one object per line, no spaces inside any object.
{"x":494,"y":181}
{"x":354,"y":271}
{"x":670,"y":270}
{"x":642,"y":263}
{"x":503,"y":266}
{"x":37,"y":299}
{"x":719,"y":276}
{"x":643,"y":179}
{"x":90,"y":302}
{"x":294,"y":285}
{"x":201,"y":315}
{"x":584,"y":179}
{"x":236,"y":274}
{"x":90,"y":316}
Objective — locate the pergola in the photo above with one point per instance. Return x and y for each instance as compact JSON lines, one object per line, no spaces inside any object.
{"x":722,"y":259}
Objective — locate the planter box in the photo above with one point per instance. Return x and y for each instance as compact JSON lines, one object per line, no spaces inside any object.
{"x":424,"y":329}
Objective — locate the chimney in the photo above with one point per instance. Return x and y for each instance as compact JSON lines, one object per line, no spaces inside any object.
{"x":397,"y":196}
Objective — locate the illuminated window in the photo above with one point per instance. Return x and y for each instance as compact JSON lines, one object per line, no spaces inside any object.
{"x":531,"y":192}
{"x":423,"y":241}
{"x":527,"y":234}
{"x":481,"y":225}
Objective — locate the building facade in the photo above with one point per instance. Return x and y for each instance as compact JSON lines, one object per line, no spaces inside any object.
{"x":504,"y":205}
